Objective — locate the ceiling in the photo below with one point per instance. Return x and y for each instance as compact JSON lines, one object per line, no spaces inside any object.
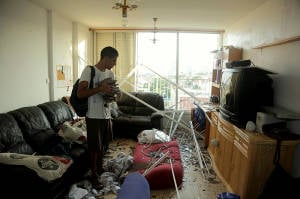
{"x":209,"y":15}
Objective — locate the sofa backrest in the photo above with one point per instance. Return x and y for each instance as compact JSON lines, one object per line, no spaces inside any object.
{"x":57,"y":112}
{"x":35,"y":127}
{"x":129,"y":105}
{"x":31,"y":119}
{"x":11,"y":136}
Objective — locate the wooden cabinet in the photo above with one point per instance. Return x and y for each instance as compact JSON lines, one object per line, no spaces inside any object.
{"x":225,"y":136}
{"x":221,"y":57}
{"x":213,"y":142}
{"x":243,"y":160}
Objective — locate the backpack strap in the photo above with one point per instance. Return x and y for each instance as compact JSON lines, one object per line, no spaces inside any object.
{"x":92,"y":76}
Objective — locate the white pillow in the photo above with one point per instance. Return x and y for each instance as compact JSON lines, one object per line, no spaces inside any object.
{"x":75,"y":132}
{"x":47,"y":167}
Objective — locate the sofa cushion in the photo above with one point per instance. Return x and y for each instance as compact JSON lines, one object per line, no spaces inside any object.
{"x":141,"y":121}
{"x":45,"y":140}
{"x":131,"y":106}
{"x":36,"y":128}
{"x":153,"y":99}
{"x":31,"y":119}
{"x":126,"y":104}
{"x":11,"y":137}
{"x":136,"y":116}
{"x":57,"y":112}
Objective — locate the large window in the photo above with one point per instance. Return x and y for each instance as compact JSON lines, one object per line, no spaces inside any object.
{"x":177,"y":65}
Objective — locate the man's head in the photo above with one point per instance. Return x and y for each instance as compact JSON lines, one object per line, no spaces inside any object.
{"x":109,"y":56}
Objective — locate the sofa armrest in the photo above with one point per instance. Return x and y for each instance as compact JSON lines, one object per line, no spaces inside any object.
{"x":156,"y":115}
{"x":157,"y":120}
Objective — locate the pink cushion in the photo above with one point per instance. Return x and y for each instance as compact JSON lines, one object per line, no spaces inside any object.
{"x":161,"y":176}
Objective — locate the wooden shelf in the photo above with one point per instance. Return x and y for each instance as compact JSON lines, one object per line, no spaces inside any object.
{"x":222,"y":56}
{"x":215,"y":85}
{"x":278,"y":42}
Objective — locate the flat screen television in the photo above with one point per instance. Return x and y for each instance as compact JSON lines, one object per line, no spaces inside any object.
{"x":243,"y":92}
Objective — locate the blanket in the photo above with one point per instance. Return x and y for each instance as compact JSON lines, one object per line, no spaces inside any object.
{"x":47,"y":167}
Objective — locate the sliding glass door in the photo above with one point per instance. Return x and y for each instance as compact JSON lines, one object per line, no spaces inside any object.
{"x":176,"y":65}
{"x":156,"y":65}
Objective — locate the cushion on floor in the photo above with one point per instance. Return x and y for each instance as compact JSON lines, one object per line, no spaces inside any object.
{"x":160,"y":177}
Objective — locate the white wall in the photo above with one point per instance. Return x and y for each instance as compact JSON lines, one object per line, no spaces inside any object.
{"x":62,"y":52}
{"x":23,"y":55}
{"x":275,"y":20}
{"x":86,"y":37}
{"x":33,"y":41}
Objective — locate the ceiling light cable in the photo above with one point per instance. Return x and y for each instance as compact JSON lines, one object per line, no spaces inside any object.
{"x":154,"y":40}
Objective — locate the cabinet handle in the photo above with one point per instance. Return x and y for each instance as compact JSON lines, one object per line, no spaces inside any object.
{"x":215,"y":142}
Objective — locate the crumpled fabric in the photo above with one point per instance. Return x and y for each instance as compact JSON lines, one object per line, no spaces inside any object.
{"x":120,"y":164}
{"x":74,"y":132}
{"x":110,"y":183}
{"x":153,"y":136}
{"x":77,"y":192}
{"x":116,"y":170}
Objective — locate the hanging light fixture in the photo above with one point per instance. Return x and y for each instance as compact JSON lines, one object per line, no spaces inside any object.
{"x":154,"y":40}
{"x":124,"y":5}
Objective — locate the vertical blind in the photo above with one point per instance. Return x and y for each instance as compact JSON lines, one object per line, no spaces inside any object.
{"x":124,"y":42}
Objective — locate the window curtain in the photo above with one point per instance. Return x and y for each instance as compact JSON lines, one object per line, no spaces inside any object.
{"x":124,"y":42}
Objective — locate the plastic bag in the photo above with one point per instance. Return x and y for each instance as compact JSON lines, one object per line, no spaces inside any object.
{"x":153,"y":136}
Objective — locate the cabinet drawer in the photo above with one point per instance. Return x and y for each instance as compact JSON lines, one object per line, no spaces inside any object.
{"x":241,"y":145}
{"x":241,"y":141}
{"x":226,"y":129}
{"x":214,"y":117}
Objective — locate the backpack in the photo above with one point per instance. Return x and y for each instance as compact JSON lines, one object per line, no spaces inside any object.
{"x":80,"y":105}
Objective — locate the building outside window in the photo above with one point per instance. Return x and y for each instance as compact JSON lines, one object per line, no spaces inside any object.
{"x":177,"y":65}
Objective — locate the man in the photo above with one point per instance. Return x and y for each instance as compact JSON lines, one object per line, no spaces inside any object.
{"x":98,"y":115}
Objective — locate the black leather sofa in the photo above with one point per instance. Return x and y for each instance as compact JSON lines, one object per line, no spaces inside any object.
{"x":34,"y":129}
{"x":135,"y":116}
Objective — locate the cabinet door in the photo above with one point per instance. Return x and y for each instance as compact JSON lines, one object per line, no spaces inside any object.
{"x":252,"y":162}
{"x":226,"y":131}
{"x":239,"y":177}
{"x":213,"y":142}
{"x":218,"y":153}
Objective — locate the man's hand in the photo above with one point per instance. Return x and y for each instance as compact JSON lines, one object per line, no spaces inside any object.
{"x":106,"y":86}
{"x":112,"y":89}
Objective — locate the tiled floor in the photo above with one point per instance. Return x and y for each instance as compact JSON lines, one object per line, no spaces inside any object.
{"x":197,"y":183}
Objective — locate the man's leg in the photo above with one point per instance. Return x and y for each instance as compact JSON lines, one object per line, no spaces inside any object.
{"x":94,"y":141}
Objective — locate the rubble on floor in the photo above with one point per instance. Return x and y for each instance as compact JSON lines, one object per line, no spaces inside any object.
{"x":120,"y":152}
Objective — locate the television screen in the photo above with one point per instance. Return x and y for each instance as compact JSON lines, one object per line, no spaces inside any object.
{"x":243,"y":92}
